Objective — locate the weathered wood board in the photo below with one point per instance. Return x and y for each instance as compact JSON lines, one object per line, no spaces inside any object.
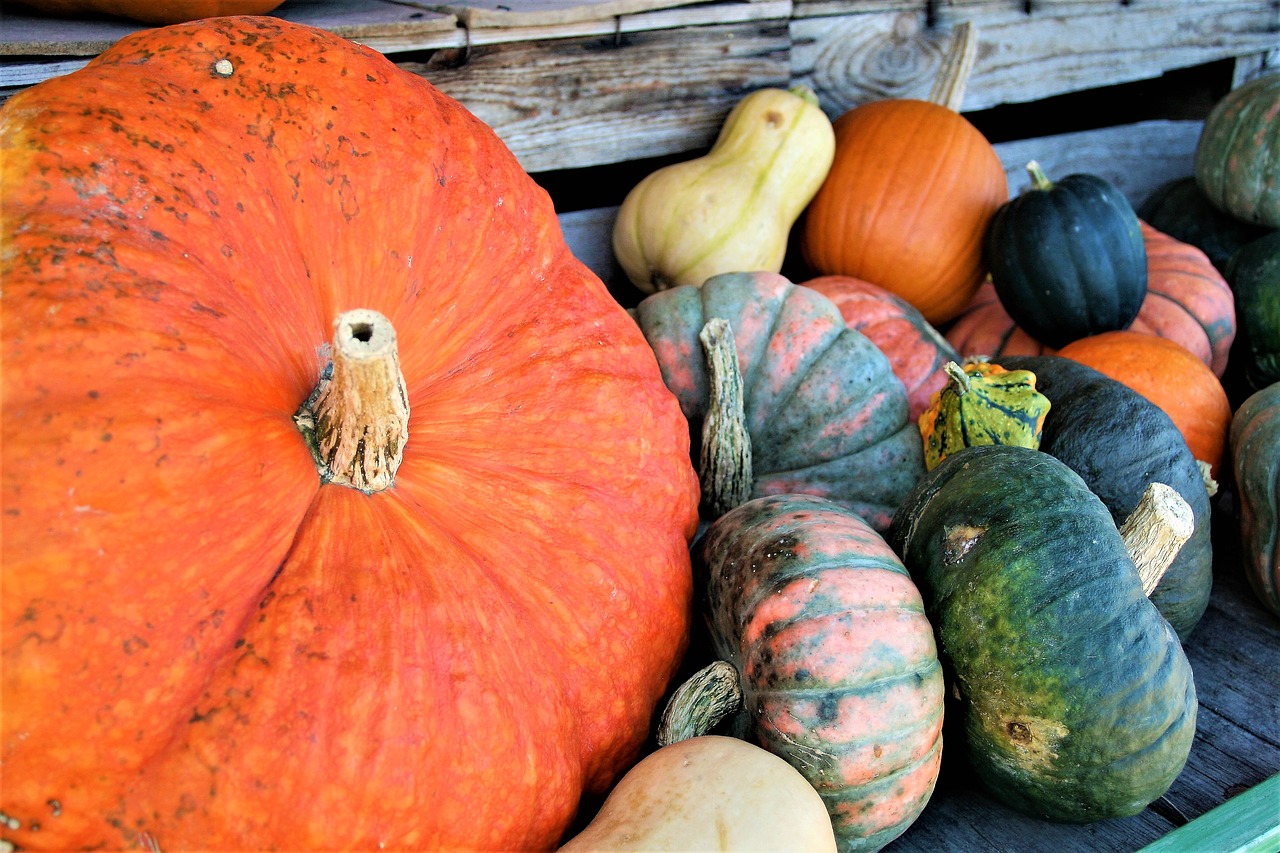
{"x":851,"y":53}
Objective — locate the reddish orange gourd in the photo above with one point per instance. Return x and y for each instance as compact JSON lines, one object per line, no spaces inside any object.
{"x":1169,"y":375}
{"x":917,"y":352}
{"x":1188,"y":302}
{"x":908,"y":198}
{"x":206,"y":646}
{"x":151,"y":11}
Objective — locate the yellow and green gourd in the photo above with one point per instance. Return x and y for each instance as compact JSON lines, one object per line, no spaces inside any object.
{"x":982,"y":404}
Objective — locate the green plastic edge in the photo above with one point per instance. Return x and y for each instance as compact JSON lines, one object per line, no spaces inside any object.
{"x":1247,"y":823}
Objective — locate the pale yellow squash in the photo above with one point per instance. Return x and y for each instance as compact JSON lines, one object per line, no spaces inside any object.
{"x":710,"y":793}
{"x":732,"y":209}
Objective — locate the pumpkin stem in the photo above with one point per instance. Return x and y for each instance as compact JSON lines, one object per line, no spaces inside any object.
{"x":697,"y":706}
{"x":804,"y":93}
{"x":356,"y":421}
{"x":725,"y":467}
{"x":957,"y":65}
{"x":1039,"y":180}
{"x":959,"y":379}
{"x":1155,"y":530}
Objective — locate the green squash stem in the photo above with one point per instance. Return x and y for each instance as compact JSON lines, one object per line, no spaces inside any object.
{"x":724,"y":463}
{"x":957,"y":65}
{"x":698,"y":705}
{"x":1039,"y":180}
{"x":356,"y":421}
{"x":1155,"y":531}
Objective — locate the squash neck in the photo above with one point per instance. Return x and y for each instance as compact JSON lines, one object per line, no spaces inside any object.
{"x":356,"y":421}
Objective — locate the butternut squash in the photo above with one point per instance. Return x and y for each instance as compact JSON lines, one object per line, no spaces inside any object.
{"x":732,"y":209}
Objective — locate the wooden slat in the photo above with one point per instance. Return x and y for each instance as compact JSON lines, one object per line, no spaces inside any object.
{"x":1061,"y":47}
{"x":570,"y":103}
{"x":541,"y":13}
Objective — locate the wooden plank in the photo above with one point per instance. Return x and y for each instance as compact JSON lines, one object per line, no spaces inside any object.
{"x":540,"y":13}
{"x":570,"y":103}
{"x":1063,"y":47}
{"x":1138,"y":158}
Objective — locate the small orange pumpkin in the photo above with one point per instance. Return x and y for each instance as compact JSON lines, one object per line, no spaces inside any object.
{"x":1169,"y":375}
{"x":907,"y":200}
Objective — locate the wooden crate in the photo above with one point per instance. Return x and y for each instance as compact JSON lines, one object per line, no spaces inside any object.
{"x":580,"y":85}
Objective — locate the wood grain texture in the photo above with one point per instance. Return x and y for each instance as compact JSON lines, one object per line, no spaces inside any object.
{"x":582,"y":102}
{"x":879,"y":52}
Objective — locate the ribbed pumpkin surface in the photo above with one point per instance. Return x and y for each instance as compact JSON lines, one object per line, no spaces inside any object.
{"x":838,"y":663}
{"x":916,"y":350}
{"x":1077,"y":700}
{"x":1255,"y":454}
{"x":826,"y":414}
{"x":1237,"y":162}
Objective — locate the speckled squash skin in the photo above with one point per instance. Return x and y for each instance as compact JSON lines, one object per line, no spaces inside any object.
{"x":1119,"y":442}
{"x":838,"y":662}
{"x":206,"y":647}
{"x":916,"y":350}
{"x":1255,"y":455}
{"x":1077,"y":700}
{"x":826,"y":414}
{"x":983,"y":404}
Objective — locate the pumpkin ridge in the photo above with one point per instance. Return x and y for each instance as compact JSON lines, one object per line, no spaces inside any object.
{"x":847,"y":687}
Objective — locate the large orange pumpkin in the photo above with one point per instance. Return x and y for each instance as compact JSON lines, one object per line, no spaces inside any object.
{"x":208,"y":642}
{"x":150,"y":11}
{"x":908,"y":198}
{"x":1169,"y":375}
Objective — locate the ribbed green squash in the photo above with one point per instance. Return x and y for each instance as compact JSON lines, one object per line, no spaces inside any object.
{"x":1255,"y":457}
{"x":824,"y":411}
{"x":838,"y":665}
{"x":1120,"y":442}
{"x":1254,"y":275}
{"x":982,"y":403}
{"x":1180,"y":209}
{"x":1077,"y":700}
{"x":1067,"y":258}
{"x":1237,"y":161}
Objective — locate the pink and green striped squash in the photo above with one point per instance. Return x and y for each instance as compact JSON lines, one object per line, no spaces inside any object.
{"x":837,"y":662}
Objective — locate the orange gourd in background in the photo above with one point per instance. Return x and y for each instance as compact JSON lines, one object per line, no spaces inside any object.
{"x":207,"y":641}
{"x":1169,"y":375}
{"x":909,"y":195}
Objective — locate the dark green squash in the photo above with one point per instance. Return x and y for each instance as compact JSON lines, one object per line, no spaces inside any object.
{"x":1067,"y":258}
{"x":1254,"y":275}
{"x":823,"y":411}
{"x":1180,"y":209}
{"x":1075,"y":696}
{"x":1255,"y":457}
{"x":1237,"y":161}
{"x":1120,"y":442}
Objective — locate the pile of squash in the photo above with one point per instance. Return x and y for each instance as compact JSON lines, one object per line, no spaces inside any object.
{"x":343,"y":508}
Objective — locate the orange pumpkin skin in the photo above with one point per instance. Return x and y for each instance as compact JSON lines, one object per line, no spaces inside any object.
{"x":1188,"y":302}
{"x":151,"y":11}
{"x":917,"y":352}
{"x":205,"y":647}
{"x":1169,"y":375}
{"x":906,"y":204}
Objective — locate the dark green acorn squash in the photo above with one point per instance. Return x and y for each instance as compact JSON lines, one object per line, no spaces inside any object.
{"x":1180,"y":209}
{"x":1119,"y":442}
{"x":1075,"y":696}
{"x":823,"y":411}
{"x":1254,"y":275}
{"x":1067,"y":258}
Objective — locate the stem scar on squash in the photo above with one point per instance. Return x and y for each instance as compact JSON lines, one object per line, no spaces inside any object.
{"x":960,"y":539}
{"x":223,"y":68}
